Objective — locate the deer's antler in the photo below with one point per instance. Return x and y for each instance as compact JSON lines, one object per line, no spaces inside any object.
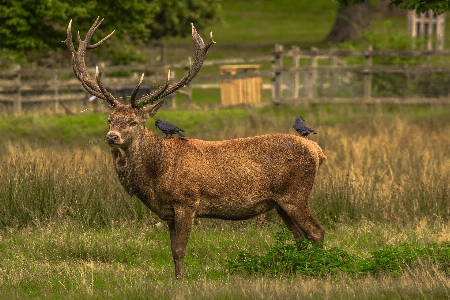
{"x":94,"y":87}
{"x":201,"y":49}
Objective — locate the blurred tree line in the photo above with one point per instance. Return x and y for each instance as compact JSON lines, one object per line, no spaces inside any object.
{"x":421,"y":6}
{"x":30,"y":28}
{"x":353,"y":16}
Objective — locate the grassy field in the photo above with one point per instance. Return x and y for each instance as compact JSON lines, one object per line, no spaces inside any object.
{"x":67,"y":228}
{"x":69,"y":231}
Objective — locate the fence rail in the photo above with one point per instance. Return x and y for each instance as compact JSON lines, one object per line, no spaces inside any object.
{"x":292,"y":75}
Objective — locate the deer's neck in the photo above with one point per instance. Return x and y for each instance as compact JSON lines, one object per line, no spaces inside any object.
{"x":137,"y":164}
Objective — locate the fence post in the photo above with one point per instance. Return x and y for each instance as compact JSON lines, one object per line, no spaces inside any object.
{"x":368,"y":72}
{"x":172,"y":97}
{"x":187,"y":96}
{"x":333,"y":75}
{"x":56,"y":91}
{"x":277,"y":65}
{"x":17,"y":104}
{"x":312,"y":75}
{"x":296,"y":64}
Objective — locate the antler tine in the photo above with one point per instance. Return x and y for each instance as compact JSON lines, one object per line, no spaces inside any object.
{"x":101,"y":41}
{"x":79,"y":38}
{"x":160,"y":91}
{"x":156,"y":94}
{"x":80,"y":77}
{"x":163,"y":88}
{"x":79,"y":66}
{"x":133,"y":94}
{"x":201,"y":49}
{"x":68,"y":39}
{"x":110,"y":98}
{"x":92,"y":31}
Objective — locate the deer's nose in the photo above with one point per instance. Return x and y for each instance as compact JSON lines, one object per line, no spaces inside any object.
{"x":112,"y":138}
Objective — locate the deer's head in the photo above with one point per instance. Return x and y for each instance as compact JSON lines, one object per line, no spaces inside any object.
{"x":127,"y":119}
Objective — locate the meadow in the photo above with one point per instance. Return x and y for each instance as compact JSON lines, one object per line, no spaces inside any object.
{"x":68,"y":229}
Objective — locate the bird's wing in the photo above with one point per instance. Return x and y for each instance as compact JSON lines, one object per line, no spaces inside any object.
{"x":300,"y":126}
{"x":169,"y":126}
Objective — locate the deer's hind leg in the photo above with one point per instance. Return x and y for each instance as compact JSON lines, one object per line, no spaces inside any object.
{"x":300,"y":221}
{"x":296,"y":231}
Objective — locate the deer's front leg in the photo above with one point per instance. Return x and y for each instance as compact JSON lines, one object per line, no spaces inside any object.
{"x":180,"y":228}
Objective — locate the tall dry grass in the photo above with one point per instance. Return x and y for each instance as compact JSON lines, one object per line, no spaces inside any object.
{"x":384,"y":170}
{"x":68,"y":229}
{"x":45,"y":185}
{"x":392,"y":169}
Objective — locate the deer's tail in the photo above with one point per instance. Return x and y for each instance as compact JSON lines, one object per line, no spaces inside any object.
{"x":322,"y":156}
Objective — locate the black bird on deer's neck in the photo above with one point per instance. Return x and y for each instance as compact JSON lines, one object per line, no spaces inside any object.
{"x":168,"y":128}
{"x":301,"y":128}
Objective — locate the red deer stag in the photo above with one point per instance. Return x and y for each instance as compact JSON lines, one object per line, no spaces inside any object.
{"x":179,"y":179}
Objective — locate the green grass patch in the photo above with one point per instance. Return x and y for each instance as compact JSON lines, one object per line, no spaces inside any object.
{"x":77,"y":130}
{"x":130,"y":260}
{"x":284,"y":258}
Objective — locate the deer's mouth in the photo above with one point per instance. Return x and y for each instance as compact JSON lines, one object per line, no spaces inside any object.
{"x":113,"y":138}
{"x":111,"y":143}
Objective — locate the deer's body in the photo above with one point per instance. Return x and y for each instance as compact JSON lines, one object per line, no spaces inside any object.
{"x":179,"y":179}
{"x":235,"y":179}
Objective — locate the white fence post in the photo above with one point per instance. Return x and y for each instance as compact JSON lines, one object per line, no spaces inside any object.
{"x":17,"y":104}
{"x":295,"y":65}
{"x":368,"y":72}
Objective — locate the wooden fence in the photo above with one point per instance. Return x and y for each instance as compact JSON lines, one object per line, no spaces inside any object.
{"x":21,"y":87}
{"x":331,"y":69}
{"x":292,"y":76}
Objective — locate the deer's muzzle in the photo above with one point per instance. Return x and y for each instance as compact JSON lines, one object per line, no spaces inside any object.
{"x":113,"y":138}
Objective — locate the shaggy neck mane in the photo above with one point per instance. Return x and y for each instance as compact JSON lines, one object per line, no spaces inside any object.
{"x":137,"y":164}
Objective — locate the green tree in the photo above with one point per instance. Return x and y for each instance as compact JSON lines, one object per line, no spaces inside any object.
{"x":353,"y":16}
{"x":30,"y":26}
{"x":438,"y":6}
{"x":350,"y":21}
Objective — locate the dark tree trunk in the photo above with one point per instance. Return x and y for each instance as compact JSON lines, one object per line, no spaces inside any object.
{"x":349,"y":23}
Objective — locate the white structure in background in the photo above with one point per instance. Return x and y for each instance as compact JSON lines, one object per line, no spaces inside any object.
{"x":429,"y":26}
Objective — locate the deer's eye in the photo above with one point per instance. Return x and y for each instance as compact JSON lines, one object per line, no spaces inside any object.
{"x":132,"y":123}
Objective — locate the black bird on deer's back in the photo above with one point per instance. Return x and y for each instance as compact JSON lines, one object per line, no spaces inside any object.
{"x":168,"y":128}
{"x":301,"y":128}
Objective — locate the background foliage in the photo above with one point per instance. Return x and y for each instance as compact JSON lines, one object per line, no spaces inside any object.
{"x":439,"y":6}
{"x":30,"y":27}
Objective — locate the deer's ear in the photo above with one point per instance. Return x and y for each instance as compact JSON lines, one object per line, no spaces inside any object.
{"x":150,"y":111}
